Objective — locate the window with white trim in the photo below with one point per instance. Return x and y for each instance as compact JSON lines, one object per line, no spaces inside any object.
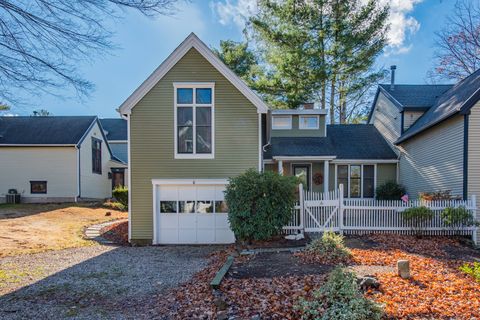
{"x":281,"y":122}
{"x":194,"y":120}
{"x":358,"y":180}
{"x":308,"y":122}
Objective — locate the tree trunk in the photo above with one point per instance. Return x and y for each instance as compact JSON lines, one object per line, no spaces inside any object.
{"x":332,"y":100}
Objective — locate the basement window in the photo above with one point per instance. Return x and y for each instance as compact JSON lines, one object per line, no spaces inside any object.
{"x":38,"y":187}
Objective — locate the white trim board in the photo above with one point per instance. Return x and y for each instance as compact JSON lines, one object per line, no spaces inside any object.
{"x":192,"y":41}
{"x":311,"y":158}
{"x":189,"y":181}
{"x":364,"y":161}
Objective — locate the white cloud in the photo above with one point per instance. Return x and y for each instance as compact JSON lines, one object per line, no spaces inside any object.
{"x":234,"y":11}
{"x":402,"y":25}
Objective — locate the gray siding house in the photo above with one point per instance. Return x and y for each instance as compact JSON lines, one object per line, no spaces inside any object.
{"x":434,"y":131}
{"x":116,"y":133}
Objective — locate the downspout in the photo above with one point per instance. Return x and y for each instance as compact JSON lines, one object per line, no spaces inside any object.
{"x":465,"y":156}
{"x":267,"y":134}
{"x":79,"y":185}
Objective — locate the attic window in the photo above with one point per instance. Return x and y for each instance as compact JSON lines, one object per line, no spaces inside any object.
{"x":308,"y":122}
{"x":281,"y":122}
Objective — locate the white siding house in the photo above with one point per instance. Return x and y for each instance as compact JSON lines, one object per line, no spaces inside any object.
{"x":51,"y":159}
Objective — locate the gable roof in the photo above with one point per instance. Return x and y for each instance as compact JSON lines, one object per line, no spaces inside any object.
{"x":37,"y":131}
{"x":192,"y":41}
{"x":115,"y":129}
{"x":459,"y":99}
{"x":348,"y":141}
{"x":416,"y":95}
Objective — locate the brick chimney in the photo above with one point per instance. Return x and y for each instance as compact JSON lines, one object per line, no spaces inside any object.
{"x":392,"y":77}
{"x":308,"y":106}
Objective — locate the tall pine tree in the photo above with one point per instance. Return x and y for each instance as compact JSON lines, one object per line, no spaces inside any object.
{"x":316,"y":50}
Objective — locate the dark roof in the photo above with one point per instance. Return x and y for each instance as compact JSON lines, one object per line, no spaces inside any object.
{"x":115,"y":129}
{"x":459,"y":99}
{"x":44,"y":130}
{"x":352,"y":141}
{"x":416,"y":95}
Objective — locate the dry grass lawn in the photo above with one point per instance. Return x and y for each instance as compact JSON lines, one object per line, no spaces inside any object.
{"x":31,"y":228}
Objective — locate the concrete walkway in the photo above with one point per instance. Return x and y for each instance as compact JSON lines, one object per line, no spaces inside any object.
{"x":93,"y":232}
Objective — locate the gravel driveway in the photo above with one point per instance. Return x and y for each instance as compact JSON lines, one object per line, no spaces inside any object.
{"x":99,"y":282}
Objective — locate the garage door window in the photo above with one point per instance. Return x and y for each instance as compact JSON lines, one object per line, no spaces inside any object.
{"x":221,"y":207}
{"x":205,"y":206}
{"x":168,"y":206}
{"x":186,"y":206}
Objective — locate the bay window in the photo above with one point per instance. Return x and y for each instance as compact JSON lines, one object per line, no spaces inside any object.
{"x":194,"y":110}
{"x":358,"y":180}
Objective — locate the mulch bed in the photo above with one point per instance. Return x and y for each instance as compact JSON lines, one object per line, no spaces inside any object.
{"x":117,"y":232}
{"x":269,"y":285}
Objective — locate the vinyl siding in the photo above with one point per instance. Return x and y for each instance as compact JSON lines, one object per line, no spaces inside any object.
{"x":410,"y":117}
{"x":93,"y":185}
{"x":296,"y":132}
{"x":433,"y":160}
{"x":387,"y":119}
{"x":152,"y":138}
{"x":473,"y":185}
{"x":386,"y":172}
{"x":56,"y":165}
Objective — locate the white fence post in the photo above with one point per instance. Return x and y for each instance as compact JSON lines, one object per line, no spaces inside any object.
{"x":475,"y":233}
{"x":340,"y":208}
{"x":302,"y":209}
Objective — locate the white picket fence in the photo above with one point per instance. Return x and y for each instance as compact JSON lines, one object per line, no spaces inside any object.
{"x":319,"y":212}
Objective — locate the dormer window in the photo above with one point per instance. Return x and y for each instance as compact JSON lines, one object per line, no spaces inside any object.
{"x":282,"y":122}
{"x":194,"y":120}
{"x":309,"y":122}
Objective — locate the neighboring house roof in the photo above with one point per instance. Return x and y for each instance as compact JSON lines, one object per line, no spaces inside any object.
{"x":459,"y":99}
{"x":115,"y":129}
{"x":120,"y":151}
{"x":352,"y":141}
{"x":192,"y":41}
{"x":416,"y":95}
{"x":67,"y":130}
{"x":410,"y":96}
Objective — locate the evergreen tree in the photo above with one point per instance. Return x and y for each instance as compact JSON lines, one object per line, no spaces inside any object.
{"x":313,"y":50}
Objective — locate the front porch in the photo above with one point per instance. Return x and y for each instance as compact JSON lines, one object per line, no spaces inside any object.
{"x":325,"y":173}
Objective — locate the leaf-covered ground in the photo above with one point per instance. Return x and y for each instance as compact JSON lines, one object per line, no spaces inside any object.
{"x":437,"y":289}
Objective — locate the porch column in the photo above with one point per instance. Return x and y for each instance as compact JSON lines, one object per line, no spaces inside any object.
{"x":325,"y":176}
{"x":280,"y":167}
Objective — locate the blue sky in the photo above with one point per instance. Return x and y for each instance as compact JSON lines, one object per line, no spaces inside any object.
{"x":144,"y":43}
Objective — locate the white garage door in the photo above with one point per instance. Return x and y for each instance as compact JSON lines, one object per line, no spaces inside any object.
{"x":191,"y":212}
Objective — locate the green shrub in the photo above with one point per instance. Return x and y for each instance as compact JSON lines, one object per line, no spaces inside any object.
{"x":340,"y":298}
{"x":121,"y":195}
{"x":416,"y":217}
{"x":472,"y":270}
{"x":458,"y":218}
{"x":330,"y":248}
{"x":114,"y":205}
{"x":260,"y":204}
{"x":389,"y":191}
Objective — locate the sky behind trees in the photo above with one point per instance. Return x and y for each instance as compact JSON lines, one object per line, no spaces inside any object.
{"x":144,"y":43}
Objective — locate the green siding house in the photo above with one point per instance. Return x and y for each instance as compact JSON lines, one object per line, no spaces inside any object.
{"x":193,"y":124}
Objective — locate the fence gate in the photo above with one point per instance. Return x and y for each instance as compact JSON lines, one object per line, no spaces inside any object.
{"x":319,"y":212}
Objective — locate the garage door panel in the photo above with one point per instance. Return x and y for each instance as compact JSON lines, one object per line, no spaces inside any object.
{"x":190,"y":214}
{"x":187,"y":235}
{"x":206,"y":235}
{"x":169,"y":236}
{"x":221,"y":221}
{"x":206,"y":221}
{"x":186,"y":220}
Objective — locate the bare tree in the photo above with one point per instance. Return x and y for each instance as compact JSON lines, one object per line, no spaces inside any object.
{"x":42,"y":41}
{"x":41,"y":113}
{"x":457,"y":53}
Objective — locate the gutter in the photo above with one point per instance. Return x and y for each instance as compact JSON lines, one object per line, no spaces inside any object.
{"x":79,"y":185}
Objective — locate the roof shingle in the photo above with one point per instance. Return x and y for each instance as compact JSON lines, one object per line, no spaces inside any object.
{"x":64,"y":130}
{"x":352,"y":141}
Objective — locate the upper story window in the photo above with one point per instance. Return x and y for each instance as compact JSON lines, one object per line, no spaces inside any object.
{"x":96,"y":156}
{"x":194,"y":125}
{"x":308,"y":122}
{"x":281,"y":122}
{"x":358,"y":180}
